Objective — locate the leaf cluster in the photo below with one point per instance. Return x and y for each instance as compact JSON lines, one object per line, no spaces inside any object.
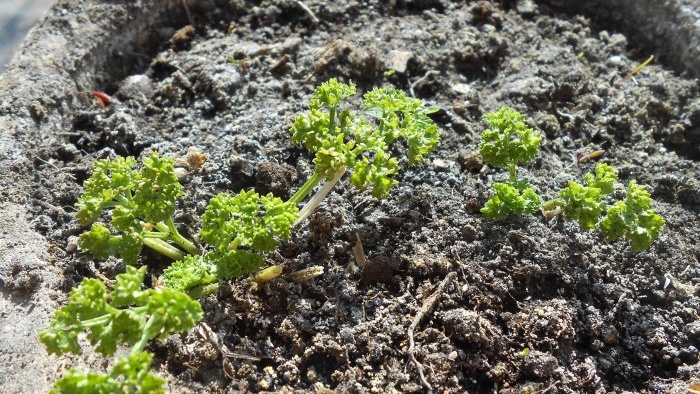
{"x":341,"y":138}
{"x":585,"y":203}
{"x":127,"y":315}
{"x":133,"y":197}
{"x":508,"y":141}
{"x":128,"y":375}
{"x":512,"y":198}
{"x":633,"y":219}
{"x":238,"y":228}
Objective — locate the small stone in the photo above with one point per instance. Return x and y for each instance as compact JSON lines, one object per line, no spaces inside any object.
{"x":463,"y":88}
{"x":182,"y":37}
{"x":525,"y":7}
{"x":180,"y":173}
{"x":135,"y":86}
{"x":398,"y":60}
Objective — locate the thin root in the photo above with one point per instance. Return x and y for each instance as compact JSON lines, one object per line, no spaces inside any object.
{"x":427,"y":307}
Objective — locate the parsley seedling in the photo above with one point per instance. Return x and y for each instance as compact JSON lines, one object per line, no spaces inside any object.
{"x":343,"y":139}
{"x":141,"y":204}
{"x":237,"y":229}
{"x":126,"y":315}
{"x":508,"y":142}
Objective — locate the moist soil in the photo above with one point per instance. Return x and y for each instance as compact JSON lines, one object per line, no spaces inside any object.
{"x":526,"y":304}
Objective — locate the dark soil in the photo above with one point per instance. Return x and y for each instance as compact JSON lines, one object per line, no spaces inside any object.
{"x":594,"y":316}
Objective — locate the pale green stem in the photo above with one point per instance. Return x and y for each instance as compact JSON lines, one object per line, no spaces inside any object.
{"x":164,"y":248}
{"x":511,"y":172}
{"x":234,"y":244}
{"x":316,"y":200}
{"x":182,"y":241}
{"x":551,"y":204}
{"x":306,"y":188}
{"x":200,"y":291}
{"x":146,"y":336}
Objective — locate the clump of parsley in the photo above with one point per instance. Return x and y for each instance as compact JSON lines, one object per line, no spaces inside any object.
{"x":129,"y":206}
{"x":508,"y":142}
{"x":126,"y":315}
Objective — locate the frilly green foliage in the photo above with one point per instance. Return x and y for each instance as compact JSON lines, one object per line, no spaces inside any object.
{"x":128,"y":375}
{"x":585,"y":203}
{"x":505,"y":144}
{"x":245,"y":220}
{"x":508,"y":141}
{"x":126,"y":315}
{"x":633,"y":218}
{"x":190,"y":272}
{"x":237,"y":230}
{"x":512,"y":198}
{"x":131,"y":196}
{"x":343,"y":139}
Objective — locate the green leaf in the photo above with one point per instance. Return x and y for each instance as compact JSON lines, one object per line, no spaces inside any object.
{"x":508,"y":141}
{"x":111,"y":178}
{"x":158,"y":189}
{"x":188,"y":273}
{"x":331,"y":93}
{"x":86,"y":302}
{"x":343,"y":139}
{"x":100,"y":242}
{"x":634,"y":219}
{"x":243,"y":220}
{"x":234,"y":263}
{"x":604,"y":178}
{"x":170,"y":312}
{"x":584,"y":204}
{"x":120,"y":316}
{"x":129,"y":375}
{"x":512,"y":198}
{"x":132,"y":197}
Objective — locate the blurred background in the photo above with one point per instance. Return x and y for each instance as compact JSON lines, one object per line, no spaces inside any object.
{"x":16,"y":18}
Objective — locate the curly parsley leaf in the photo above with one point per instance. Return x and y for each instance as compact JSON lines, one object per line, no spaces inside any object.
{"x":125,"y":315}
{"x":512,"y":198}
{"x":508,"y":141}
{"x":129,"y":375}
{"x":633,"y":219}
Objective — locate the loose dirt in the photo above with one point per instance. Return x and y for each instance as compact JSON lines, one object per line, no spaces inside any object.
{"x":532,"y":305}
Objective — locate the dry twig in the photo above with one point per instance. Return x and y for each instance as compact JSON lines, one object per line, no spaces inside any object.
{"x":427,"y":307}
{"x":306,"y":9}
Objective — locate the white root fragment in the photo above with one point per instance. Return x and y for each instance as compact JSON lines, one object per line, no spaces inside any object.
{"x":316,"y":200}
{"x":427,"y":307}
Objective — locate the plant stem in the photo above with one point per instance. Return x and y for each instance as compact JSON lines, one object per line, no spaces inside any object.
{"x":201,"y":291}
{"x":511,"y":172}
{"x":316,"y":200}
{"x":146,"y":336}
{"x":180,"y":240}
{"x":551,"y":204}
{"x":164,"y":248}
{"x":306,"y":188}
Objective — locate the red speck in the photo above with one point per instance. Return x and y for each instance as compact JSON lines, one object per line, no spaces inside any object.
{"x":103,"y":98}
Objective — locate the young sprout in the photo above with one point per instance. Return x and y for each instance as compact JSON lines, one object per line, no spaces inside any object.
{"x":141,"y":204}
{"x":507,"y":143}
{"x":238,"y":229}
{"x":126,"y":315}
{"x":585,"y":203}
{"x":633,"y":219}
{"x":342,"y":139}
